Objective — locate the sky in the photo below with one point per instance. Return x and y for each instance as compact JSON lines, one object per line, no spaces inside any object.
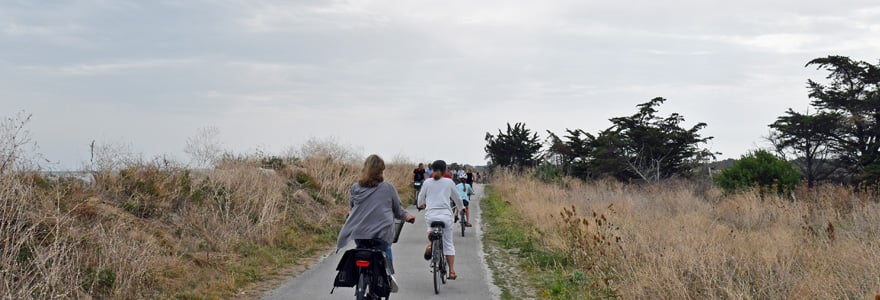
{"x":418,"y":80}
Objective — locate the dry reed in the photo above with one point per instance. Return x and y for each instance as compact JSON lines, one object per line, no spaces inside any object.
{"x":158,"y":230}
{"x":665,"y":241}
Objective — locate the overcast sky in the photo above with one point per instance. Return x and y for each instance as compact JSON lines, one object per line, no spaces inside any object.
{"x":420,"y":79}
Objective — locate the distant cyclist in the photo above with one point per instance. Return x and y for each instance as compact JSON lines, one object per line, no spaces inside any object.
{"x":464,"y":192}
{"x":460,"y":174}
{"x":470,"y":177}
{"x":434,"y":198}
{"x":418,"y":177}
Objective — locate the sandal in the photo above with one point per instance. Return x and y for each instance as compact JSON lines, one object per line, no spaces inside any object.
{"x":452,"y":276}
{"x":469,"y":225}
{"x":427,"y":255}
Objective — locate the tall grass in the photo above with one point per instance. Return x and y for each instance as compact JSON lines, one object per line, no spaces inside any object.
{"x":677,"y":240}
{"x":156,"y":229}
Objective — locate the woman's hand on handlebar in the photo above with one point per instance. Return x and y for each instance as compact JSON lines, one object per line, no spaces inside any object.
{"x":410,"y":218}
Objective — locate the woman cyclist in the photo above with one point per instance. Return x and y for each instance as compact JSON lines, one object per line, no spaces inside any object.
{"x":434,"y":198}
{"x":374,"y":206}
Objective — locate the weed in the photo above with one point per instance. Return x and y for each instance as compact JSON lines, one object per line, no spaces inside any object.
{"x":154,"y":230}
{"x":677,"y":240}
{"x":101,"y":282}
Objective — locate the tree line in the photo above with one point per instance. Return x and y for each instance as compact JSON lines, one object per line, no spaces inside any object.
{"x":839,"y":141}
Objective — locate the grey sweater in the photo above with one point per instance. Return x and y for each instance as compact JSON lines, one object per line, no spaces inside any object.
{"x":372,"y":215}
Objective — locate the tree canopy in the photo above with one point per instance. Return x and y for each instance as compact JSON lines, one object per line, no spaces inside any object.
{"x":845,"y":130}
{"x":642,"y":146}
{"x":807,"y":137}
{"x":517,"y":147}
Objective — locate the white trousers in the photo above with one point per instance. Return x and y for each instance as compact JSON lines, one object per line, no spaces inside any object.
{"x":448,"y":246}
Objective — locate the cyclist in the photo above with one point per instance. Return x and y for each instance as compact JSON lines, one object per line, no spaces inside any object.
{"x":460,"y":174}
{"x":464,"y":190}
{"x":374,"y":205}
{"x":470,"y":177}
{"x":434,"y":198}
{"x":418,"y":177}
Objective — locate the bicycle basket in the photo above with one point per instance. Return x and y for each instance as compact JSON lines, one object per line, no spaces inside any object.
{"x":398,"y":225}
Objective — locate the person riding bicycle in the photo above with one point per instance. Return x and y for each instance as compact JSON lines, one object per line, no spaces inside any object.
{"x":434,"y":198}
{"x":464,"y":192}
{"x":374,"y":205}
{"x":418,"y":177}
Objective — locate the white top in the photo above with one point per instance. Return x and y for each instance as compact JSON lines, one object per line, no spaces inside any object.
{"x":435,"y":195}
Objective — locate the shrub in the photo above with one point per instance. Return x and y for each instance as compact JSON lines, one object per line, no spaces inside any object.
{"x":762,"y":169}
{"x":273,"y":162}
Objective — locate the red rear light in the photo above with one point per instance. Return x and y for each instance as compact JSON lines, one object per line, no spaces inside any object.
{"x":362,"y":263}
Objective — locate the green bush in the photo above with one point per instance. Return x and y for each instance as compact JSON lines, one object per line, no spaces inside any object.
{"x":762,"y":169}
{"x":548,"y":173}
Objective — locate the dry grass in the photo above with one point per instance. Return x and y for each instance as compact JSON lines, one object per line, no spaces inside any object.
{"x":664,"y":241}
{"x":157,"y":230}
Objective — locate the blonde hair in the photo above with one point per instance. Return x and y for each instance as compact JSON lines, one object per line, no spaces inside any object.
{"x":372,"y":173}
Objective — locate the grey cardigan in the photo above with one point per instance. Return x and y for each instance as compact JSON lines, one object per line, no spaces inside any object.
{"x":372,"y":215}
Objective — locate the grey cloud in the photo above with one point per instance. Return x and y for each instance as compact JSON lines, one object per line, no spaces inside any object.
{"x":560,"y":64}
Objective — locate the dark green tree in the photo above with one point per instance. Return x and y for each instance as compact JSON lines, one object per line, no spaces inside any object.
{"x":608,"y":157}
{"x":853,"y":93}
{"x":517,"y":147}
{"x":808,"y":138}
{"x":762,"y":169}
{"x":647,"y":147}
{"x":558,"y":153}
{"x":572,"y":153}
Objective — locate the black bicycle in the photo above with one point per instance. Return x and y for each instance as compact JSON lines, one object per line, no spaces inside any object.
{"x":438,"y":260}
{"x":372,"y":283}
{"x":367,"y":269}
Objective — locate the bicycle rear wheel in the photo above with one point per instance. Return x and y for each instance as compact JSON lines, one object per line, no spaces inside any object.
{"x":437,"y":265}
{"x":360,"y":292}
{"x":463,"y":222}
{"x":443,"y":266}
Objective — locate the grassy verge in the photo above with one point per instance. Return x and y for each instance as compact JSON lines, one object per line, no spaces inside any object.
{"x":522,"y":266}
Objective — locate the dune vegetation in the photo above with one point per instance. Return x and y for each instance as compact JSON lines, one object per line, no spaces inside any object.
{"x":687,"y":240}
{"x":157,"y":229}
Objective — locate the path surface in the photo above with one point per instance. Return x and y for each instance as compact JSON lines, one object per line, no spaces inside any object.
{"x":474,"y":281}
